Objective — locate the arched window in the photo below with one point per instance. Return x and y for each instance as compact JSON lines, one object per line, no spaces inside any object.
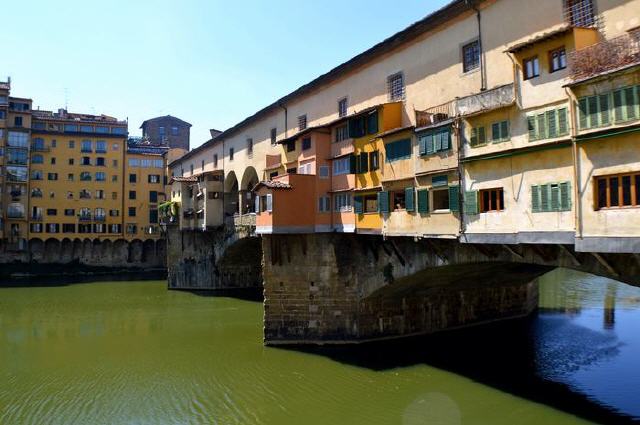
{"x":36,"y":193}
{"x":37,"y":159}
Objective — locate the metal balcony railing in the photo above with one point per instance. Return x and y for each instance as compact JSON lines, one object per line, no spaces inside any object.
{"x":608,"y":55}
{"x":435,"y":115}
{"x":84,"y":217}
{"x":39,"y":148}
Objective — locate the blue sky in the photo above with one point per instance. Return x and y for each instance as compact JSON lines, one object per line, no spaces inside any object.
{"x":211,"y":63}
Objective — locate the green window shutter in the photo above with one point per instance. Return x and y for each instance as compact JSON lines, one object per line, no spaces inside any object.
{"x":454,"y":198}
{"x":631,"y":100}
{"x":555,"y":197}
{"x":504,"y":130}
{"x":438,"y":141}
{"x":545,"y":198}
{"x":582,"y":113}
{"x":423,"y":201}
{"x":358,"y":206}
{"x":604,"y":109}
{"x":474,"y":137}
{"x":565,"y":196}
{"x":364,"y":162}
{"x":383,"y":202}
{"x":531,"y":126}
{"x":618,"y":105}
{"x":408,"y":199}
{"x":482,"y":136}
{"x":592,"y":102}
{"x":495,"y":131}
{"x":471,"y":202}
{"x":429,"y":143}
{"x":542,"y":126}
{"x":446,"y":140}
{"x":422,"y":141}
{"x":372,"y":123}
{"x":535,"y":199}
{"x":353,"y":127}
{"x":353,"y":164}
{"x":551,"y":123}
{"x":562,"y":122}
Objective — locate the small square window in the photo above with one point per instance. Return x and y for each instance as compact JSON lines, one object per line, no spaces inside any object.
{"x":302,"y":122}
{"x":531,"y":68}
{"x":557,"y":59}
{"x":395,"y":86}
{"x":471,"y":56}
{"x":342,"y":107}
{"x":306,"y":143}
{"x":274,"y":135}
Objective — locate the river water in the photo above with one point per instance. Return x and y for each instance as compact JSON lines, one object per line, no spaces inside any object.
{"x":135,"y":353}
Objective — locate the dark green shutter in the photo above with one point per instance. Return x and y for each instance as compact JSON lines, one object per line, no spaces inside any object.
{"x":446,"y":139}
{"x":482,"y":136}
{"x":545,"y":195}
{"x":363,"y":162}
{"x":495,"y":131}
{"x":429,"y":143}
{"x":555,"y":197}
{"x":631,"y":101}
{"x":383,"y":202}
{"x":423,"y":144}
{"x":471,"y":202}
{"x":535,"y":199}
{"x":551,"y":123}
{"x":618,"y":105}
{"x":542,"y":126}
{"x":565,"y":196}
{"x":474,"y":137}
{"x":604,"y":109}
{"x":592,"y":102}
{"x":504,"y":130}
{"x":358,"y":205}
{"x":562,"y":122}
{"x":353,"y":128}
{"x":531,"y":126}
{"x":408,"y":199}
{"x":353,"y":164}
{"x":372,"y":123}
{"x":454,"y":198}
{"x":438,"y":141}
{"x":582,"y":113}
{"x":423,"y":201}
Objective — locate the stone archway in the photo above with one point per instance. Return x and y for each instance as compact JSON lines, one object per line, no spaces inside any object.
{"x":36,"y":248}
{"x":66,"y":250}
{"x":52,"y":252}
{"x":148,"y":251}
{"x":249,"y":181}
{"x":231,"y":206}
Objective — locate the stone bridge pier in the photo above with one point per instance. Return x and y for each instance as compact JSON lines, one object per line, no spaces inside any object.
{"x":342,"y":288}
{"x":229,"y":257}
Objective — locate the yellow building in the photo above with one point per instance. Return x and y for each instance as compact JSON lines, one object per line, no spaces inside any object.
{"x":76,"y":176}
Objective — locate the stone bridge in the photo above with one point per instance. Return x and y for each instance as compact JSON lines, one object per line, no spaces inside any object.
{"x":344,"y":288}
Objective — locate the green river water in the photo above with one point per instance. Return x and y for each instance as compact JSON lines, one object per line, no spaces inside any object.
{"x":136,"y":353}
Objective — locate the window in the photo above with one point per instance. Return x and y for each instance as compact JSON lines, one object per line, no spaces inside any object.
{"x":617,"y":191}
{"x":440,"y":199}
{"x":114,"y":178}
{"x":153,"y":196}
{"x":133,"y":162}
{"x":531,"y":68}
{"x":323,"y":171}
{"x":250,"y":147}
{"x":132,"y":211}
{"x":114,"y":195}
{"x":115,"y":228}
{"x":102,"y":129}
{"x":17,"y":156}
{"x":36,"y":193}
{"x":99,"y":194}
{"x":52,"y":211}
{"x":557,"y":59}
{"x":471,"y":56}
{"x":85,"y":160}
{"x":491,"y":200}
{"x":302,"y":122}
{"x":202,"y":165}
{"x":114,"y":213}
{"x":17,"y":121}
{"x":231,"y":154}
{"x":291,"y":145}
{"x":35,"y":227}
{"x":153,"y":216}
{"x":85,"y":176}
{"x":101,"y":146}
{"x":342,"y":166}
{"x":342,"y":202}
{"x":305,"y":168}
{"x":53,"y":143}
{"x":53,"y":161}
{"x":398,"y":200}
{"x":69,"y":212}
{"x":215,"y":160}
{"x":551,"y":197}
{"x":100,"y":176}
{"x":86,"y":129}
{"x":68,"y":228}
{"x":398,"y":150}
{"x":132,"y":194}
{"x":72,"y":144}
{"x":548,"y":124}
{"x":52,"y":176}
{"x":342,"y":133}
{"x":395,"y":87}
{"x":438,"y":140}
{"x":53,"y":227}
{"x":174,"y":131}
{"x":85,"y":194}
{"x":363,"y":162}
{"x":500,"y":131}
{"x":70,"y":177}
{"x":86,"y":146}
{"x":306,"y":143}
{"x":342,"y":107}
{"x":274,"y":135}
{"x":154,"y":178}
{"x":35,"y":174}
{"x":71,"y":161}
{"x":100,"y":214}
{"x":37,"y":159}
{"x":579,"y":13}
{"x":478,"y":137}
{"x":132,"y":178}
{"x":19,"y":174}
{"x":114,"y":163}
{"x":370,"y":203}
{"x":69,"y":195}
{"x":17,"y":139}
{"x":70,"y":128}
{"x":324,"y":204}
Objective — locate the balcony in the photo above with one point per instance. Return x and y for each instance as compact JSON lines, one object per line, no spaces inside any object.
{"x":485,"y":101}
{"x":37,"y":147}
{"x":15,"y":214}
{"x":605,"y":57}
{"x":100,"y":218}
{"x":84,"y":217}
{"x":435,"y":115}
{"x":36,"y":217}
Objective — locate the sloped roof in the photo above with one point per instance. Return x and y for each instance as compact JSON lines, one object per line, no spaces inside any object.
{"x":191,"y":179}
{"x":164,"y":117}
{"x":271,"y":184}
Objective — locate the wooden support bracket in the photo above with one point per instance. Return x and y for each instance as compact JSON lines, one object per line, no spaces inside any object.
{"x":513,"y":252}
{"x":438,"y":251}
{"x":571,"y":255}
{"x":605,"y":264}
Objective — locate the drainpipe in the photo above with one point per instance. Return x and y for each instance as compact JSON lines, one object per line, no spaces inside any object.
{"x":483,"y":71}
{"x":576,"y":172}
{"x":461,"y":186}
{"x":285,"y":118}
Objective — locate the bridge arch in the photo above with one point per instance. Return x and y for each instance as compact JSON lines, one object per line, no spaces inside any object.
{"x":36,"y":248}
{"x":249,"y":181}
{"x":52,"y":250}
